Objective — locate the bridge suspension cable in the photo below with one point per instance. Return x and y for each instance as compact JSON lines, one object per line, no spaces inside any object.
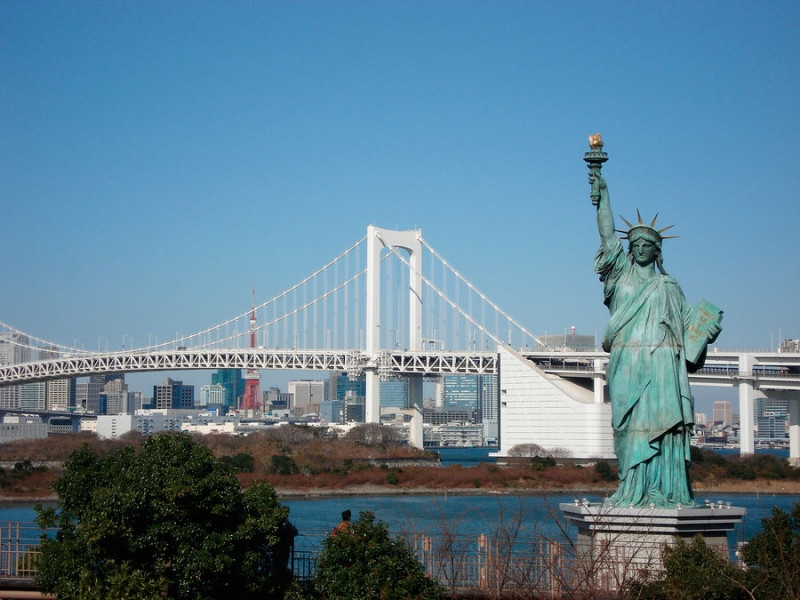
{"x":323,"y":311}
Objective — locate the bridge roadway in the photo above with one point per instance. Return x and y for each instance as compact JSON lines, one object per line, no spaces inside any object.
{"x":765,"y":370}
{"x":754,"y":374}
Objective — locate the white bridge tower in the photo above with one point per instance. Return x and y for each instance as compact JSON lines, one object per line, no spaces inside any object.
{"x":411,"y":241}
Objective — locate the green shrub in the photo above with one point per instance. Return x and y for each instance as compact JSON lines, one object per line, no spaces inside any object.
{"x":368,"y":563}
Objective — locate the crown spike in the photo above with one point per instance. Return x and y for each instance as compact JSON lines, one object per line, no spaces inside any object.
{"x":628,"y":223}
{"x":667,"y":227}
{"x":639,"y":217}
{"x":653,"y":222}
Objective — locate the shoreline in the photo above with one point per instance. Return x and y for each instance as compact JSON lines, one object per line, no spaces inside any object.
{"x":793,"y":489}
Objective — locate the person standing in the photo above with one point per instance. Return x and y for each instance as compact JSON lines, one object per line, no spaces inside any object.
{"x":344,"y":524}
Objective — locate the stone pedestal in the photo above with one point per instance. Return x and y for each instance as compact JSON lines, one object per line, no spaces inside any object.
{"x":617,"y":544}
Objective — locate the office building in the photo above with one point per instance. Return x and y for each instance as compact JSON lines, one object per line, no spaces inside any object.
{"x":212,"y":395}
{"x":460,"y":391}
{"x":233,"y":382}
{"x":173,"y":394}
{"x":307,"y":395}
{"x":722,"y":412}
{"x":87,"y":396}
{"x":394,"y":393}
{"x":33,"y":396}
{"x":61,"y":394}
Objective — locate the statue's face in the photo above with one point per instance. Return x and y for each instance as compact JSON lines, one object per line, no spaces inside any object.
{"x":644,"y":251}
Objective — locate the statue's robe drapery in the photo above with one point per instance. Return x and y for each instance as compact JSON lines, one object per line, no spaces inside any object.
{"x":648,"y":382}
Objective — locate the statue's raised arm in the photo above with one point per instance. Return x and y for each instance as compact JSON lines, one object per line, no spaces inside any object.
{"x":599,"y":194}
{"x":605,"y":218}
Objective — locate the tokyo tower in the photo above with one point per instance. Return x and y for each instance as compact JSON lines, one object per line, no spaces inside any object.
{"x":252,"y":386}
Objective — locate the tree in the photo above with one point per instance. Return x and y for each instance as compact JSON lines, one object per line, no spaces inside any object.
{"x":692,"y":571}
{"x":773,"y":556}
{"x":165,"y":520}
{"x":373,"y":434}
{"x":368,"y":564}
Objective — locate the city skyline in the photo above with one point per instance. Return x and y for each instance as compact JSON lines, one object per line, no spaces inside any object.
{"x":159,"y":161}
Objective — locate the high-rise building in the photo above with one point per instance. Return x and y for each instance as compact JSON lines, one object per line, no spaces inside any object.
{"x":115,"y":398}
{"x":275,"y":399}
{"x":342,"y":385}
{"x":61,"y":394}
{"x":722,"y":412}
{"x":173,"y":394}
{"x":13,"y":350}
{"x":461,"y":391}
{"x":212,"y":395}
{"x":771,"y":416}
{"x":489,"y":399}
{"x":233,"y":382}
{"x":307,"y":395}
{"x":33,"y":396}
{"x":87,"y":396}
{"x":394,"y":393}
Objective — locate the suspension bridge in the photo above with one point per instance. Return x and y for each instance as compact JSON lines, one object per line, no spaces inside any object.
{"x":388,"y":306}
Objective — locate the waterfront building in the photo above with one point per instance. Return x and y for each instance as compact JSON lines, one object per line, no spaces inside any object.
{"x":461,"y":436}
{"x":790,"y":346}
{"x":355,"y":412}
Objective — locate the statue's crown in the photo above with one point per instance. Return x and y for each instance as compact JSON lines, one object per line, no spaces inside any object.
{"x":647,"y":231}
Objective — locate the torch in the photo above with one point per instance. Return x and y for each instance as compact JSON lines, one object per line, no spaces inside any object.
{"x":594,"y":160}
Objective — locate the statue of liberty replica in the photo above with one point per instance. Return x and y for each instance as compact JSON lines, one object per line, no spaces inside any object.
{"x":654,"y":339}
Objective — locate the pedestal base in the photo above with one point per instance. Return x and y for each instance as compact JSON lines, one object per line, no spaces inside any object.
{"x":618,"y":544}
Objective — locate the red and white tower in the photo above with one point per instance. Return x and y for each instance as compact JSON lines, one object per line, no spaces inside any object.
{"x":252,"y":378}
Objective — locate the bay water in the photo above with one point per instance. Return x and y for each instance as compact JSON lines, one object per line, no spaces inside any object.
{"x":464,"y":515}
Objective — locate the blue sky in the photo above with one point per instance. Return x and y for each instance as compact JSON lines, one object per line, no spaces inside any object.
{"x":158,"y":159}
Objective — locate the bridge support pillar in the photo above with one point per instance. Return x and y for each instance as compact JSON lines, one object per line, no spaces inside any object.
{"x":377,"y":239}
{"x":599,"y":383}
{"x":372,"y":410}
{"x":415,"y":405}
{"x":747,"y":396}
{"x":794,"y":429}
